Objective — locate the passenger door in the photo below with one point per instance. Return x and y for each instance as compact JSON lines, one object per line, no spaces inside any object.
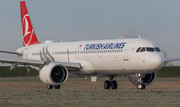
{"x":126,"y":51}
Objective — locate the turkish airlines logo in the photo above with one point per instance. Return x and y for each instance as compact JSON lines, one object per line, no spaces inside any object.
{"x":27,"y":30}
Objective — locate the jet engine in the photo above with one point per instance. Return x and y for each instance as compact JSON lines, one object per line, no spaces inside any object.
{"x":147,"y":78}
{"x":53,"y":74}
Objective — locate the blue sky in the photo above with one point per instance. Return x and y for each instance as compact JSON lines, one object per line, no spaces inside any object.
{"x":73,"y":20}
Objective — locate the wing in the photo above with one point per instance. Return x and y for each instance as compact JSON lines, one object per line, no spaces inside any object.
{"x":70,"y":65}
{"x":171,"y":59}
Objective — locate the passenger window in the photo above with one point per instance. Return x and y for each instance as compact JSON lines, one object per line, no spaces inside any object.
{"x":157,"y":49}
{"x":138,"y":49}
{"x":150,"y":49}
{"x":143,"y":49}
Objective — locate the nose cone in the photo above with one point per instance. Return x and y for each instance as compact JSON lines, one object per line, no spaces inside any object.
{"x":157,"y":61}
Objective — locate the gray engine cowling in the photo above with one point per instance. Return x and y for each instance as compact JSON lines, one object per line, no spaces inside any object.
{"x":147,"y":78}
{"x":53,"y":74}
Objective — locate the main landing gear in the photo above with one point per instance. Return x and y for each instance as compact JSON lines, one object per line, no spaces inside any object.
{"x":140,"y":85}
{"x":112,"y":83}
{"x":51,"y":87}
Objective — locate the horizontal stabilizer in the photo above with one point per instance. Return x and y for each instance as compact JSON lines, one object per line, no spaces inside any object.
{"x":10,"y":52}
{"x":171,"y":59}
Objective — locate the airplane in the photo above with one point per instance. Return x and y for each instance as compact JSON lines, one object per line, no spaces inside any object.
{"x":138,"y":58}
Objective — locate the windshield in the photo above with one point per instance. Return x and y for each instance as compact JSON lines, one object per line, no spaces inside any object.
{"x":157,"y":49}
{"x":150,"y":49}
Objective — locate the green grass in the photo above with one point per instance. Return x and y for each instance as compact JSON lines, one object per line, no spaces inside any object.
{"x":169,"y":72}
{"x":18,"y":72}
{"x":88,"y":98}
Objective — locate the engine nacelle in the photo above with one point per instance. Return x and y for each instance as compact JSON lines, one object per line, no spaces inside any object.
{"x":53,"y":74}
{"x":147,"y":78}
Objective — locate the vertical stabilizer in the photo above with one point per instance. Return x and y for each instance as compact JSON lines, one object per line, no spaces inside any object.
{"x":29,"y":37}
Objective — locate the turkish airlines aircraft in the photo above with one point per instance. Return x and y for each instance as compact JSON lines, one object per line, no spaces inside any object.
{"x":138,"y":58}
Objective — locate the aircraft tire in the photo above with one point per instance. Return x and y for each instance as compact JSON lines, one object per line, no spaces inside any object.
{"x":114,"y":85}
{"x":49,"y":86}
{"x":141,"y":86}
{"x":107,"y":84}
{"x":57,"y":87}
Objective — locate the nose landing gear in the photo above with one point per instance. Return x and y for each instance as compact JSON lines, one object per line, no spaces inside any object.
{"x":140,"y":85}
{"x":112,"y":83}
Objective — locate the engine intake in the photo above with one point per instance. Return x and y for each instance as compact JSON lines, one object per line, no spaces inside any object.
{"x":147,"y":78}
{"x":53,"y":74}
{"x":58,"y":74}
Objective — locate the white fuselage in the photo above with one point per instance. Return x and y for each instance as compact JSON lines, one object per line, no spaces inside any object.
{"x":117,"y":56}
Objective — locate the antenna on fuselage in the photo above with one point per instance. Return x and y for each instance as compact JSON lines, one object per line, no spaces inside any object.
{"x":139,"y":36}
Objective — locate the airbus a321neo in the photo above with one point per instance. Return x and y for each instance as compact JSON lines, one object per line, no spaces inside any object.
{"x":136,"y":57}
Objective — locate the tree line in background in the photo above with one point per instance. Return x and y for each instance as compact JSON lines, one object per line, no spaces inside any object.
{"x":165,"y":72}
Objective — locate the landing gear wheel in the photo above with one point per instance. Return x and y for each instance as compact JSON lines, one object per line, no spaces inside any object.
{"x":141,"y":86}
{"x":49,"y":86}
{"x":114,"y":85}
{"x":107,"y":84}
{"x":57,"y":87}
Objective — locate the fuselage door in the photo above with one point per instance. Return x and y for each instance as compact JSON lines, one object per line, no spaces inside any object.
{"x":25,"y":52}
{"x":77,"y":52}
{"x":126,"y":51}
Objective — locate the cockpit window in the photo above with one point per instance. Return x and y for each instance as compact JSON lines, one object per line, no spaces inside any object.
{"x":138,"y":49}
{"x":149,"y":49}
{"x":157,"y":49}
{"x":143,"y":49}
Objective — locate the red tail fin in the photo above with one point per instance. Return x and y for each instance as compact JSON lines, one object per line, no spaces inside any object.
{"x":29,"y":37}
